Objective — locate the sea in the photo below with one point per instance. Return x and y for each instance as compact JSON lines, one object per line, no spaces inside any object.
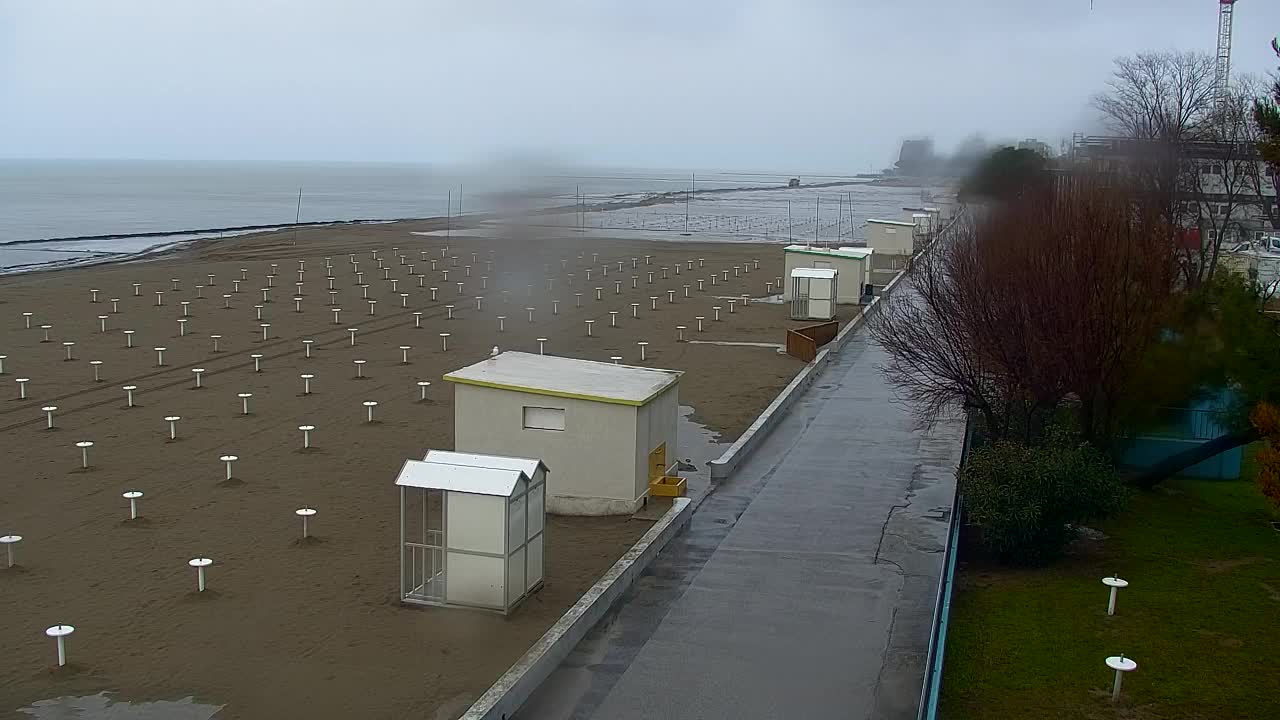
{"x":75,"y":211}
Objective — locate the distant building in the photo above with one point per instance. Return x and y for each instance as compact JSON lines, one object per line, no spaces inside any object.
{"x":1041,"y":148}
{"x":916,"y":157}
{"x":1206,"y":202}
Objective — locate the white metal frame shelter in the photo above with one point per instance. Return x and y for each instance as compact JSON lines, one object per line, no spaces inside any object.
{"x":813,"y":293}
{"x":471,"y":530}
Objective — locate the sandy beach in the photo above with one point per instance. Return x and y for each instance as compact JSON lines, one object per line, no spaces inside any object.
{"x":288,"y":628}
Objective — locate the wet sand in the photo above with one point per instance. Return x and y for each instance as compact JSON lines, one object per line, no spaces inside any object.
{"x":289,"y":629}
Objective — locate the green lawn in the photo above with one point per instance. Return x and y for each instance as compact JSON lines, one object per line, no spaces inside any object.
{"x":1201,"y":617}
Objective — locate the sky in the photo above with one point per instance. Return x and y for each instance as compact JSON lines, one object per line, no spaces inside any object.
{"x":770,"y":85}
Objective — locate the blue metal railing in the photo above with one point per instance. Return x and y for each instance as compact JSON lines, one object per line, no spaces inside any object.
{"x":931,"y":691}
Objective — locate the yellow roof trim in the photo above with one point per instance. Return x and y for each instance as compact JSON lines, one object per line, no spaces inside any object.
{"x":557,"y":393}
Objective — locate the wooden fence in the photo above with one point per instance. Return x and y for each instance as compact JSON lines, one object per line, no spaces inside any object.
{"x":803,"y":343}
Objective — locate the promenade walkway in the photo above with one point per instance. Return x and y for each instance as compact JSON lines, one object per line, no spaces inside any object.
{"x":804,"y":587}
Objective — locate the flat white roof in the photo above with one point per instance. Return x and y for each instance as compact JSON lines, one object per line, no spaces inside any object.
{"x":858,"y":251}
{"x":855,"y":253}
{"x":892,"y":222}
{"x":567,"y":377}
{"x":528,"y":466}
{"x":459,"y":478}
{"x":820,"y":273}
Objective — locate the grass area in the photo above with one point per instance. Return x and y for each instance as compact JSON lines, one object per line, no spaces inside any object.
{"x":1201,"y":617}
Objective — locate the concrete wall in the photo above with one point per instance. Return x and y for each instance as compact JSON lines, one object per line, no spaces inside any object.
{"x":655,"y":425}
{"x":890,"y":239}
{"x":588,"y":461}
{"x":851,"y":274}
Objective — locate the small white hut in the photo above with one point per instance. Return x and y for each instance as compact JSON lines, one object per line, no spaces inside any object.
{"x":608,"y":430}
{"x":471,"y":529}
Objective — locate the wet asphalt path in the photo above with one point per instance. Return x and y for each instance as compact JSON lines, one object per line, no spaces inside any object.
{"x":804,"y":586}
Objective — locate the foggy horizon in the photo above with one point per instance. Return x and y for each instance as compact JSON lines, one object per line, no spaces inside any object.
{"x":808,"y":86}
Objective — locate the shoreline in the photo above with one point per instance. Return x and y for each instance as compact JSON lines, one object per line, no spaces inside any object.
{"x":174,"y":241}
{"x":619,"y":204}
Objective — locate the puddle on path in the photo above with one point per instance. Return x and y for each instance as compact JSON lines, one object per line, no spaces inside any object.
{"x":102,"y":707}
{"x":699,"y":446}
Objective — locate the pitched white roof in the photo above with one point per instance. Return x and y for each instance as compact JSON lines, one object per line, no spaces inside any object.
{"x":567,"y":377}
{"x":892,"y":222}
{"x":527,"y":466}
{"x":459,"y":478}
{"x":818,"y":273}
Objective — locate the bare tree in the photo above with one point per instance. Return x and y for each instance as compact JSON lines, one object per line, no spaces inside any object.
{"x":1221,"y":181}
{"x":1052,"y":298}
{"x":1263,"y":176}
{"x":1192,"y":156}
{"x":1159,"y":95}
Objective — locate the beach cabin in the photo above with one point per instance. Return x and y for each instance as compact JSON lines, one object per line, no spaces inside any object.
{"x":852,"y":266}
{"x":471,"y":529}
{"x":608,"y":430}
{"x":894,"y":242}
{"x":813,"y":294}
{"x":891,"y":237}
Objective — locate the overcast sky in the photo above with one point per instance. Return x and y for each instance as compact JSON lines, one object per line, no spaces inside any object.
{"x":785,"y":85}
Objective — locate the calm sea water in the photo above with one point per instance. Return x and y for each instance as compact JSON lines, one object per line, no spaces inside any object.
{"x":44,"y":199}
{"x":118,"y":203}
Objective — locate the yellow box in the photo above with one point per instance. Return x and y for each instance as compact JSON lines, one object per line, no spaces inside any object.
{"x":668,"y":486}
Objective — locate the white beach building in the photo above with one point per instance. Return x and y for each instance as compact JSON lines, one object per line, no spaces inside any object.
{"x":852,"y":266}
{"x":891,"y":237}
{"x":607,"y":430}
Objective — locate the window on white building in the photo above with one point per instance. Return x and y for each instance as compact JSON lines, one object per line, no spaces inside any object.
{"x":540,"y":418}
